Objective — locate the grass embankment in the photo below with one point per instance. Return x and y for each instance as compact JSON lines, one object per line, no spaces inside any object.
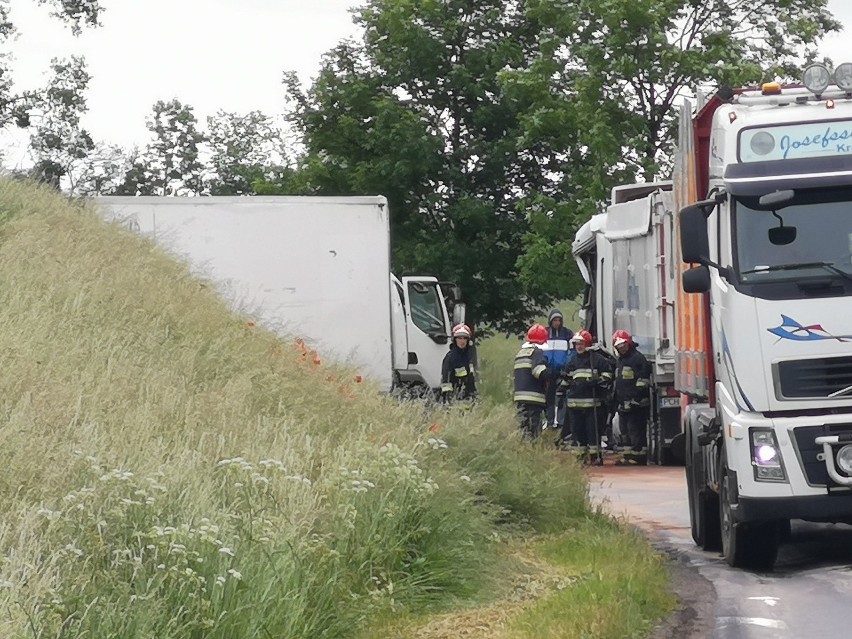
{"x":169,"y":470}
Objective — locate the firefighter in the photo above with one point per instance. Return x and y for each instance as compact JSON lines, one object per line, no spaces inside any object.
{"x":558,"y":347}
{"x":632,"y":385}
{"x":458,"y":377}
{"x":531,"y":382}
{"x":585,"y":382}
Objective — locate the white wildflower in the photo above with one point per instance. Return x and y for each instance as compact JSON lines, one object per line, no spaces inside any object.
{"x":464,"y":478}
{"x":226,"y":551}
{"x":235,"y":574}
{"x":220,"y":580}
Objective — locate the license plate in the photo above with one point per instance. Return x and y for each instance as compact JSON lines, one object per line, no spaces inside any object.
{"x":669,"y":402}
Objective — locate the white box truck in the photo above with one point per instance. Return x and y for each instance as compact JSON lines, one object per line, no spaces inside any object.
{"x":316,"y":268}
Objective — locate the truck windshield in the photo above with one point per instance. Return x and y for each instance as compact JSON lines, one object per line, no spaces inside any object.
{"x":822,"y":244}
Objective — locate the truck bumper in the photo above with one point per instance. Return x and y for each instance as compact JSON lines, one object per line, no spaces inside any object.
{"x":826,"y":508}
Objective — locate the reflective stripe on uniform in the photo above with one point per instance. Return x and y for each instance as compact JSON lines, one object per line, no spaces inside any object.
{"x":530,"y":396}
{"x":524,"y":363}
{"x":573,"y":402}
{"x":446,"y":388}
{"x":643,"y":383}
{"x":627,"y":373}
{"x":461,"y":372}
{"x":538,"y":370}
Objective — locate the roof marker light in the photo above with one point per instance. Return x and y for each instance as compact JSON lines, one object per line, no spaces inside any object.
{"x":770,"y":88}
{"x":816,"y":78}
{"x":829,"y":104}
{"x":732,"y":116}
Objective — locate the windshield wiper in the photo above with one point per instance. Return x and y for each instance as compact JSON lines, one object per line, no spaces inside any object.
{"x":792,"y":267}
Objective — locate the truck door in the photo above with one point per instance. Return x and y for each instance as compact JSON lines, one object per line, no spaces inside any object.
{"x":427,"y":327}
{"x":399,"y":337}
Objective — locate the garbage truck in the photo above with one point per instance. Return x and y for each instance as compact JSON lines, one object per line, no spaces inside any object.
{"x":625,"y":258}
{"x":313,"y":268}
{"x":763,"y":334}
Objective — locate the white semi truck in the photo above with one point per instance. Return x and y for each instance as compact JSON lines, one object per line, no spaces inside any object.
{"x":751,"y":301}
{"x":317,"y":268}
{"x":761,"y":310}
{"x":625,"y":258}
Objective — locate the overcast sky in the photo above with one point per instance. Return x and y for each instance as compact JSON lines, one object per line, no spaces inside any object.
{"x":212,"y":54}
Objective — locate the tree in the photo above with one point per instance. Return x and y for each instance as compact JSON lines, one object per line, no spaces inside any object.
{"x":245,"y":150}
{"x":622,"y":67}
{"x":59,"y":144}
{"x":496,"y":129}
{"x":105,"y":171}
{"x":417,"y":113}
{"x":15,"y":107}
{"x":171,"y":164}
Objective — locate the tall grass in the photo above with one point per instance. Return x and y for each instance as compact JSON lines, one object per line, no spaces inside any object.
{"x":171,"y":470}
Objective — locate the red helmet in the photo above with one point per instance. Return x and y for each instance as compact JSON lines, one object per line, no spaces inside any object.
{"x":462,"y":330}
{"x":537,"y":334}
{"x":583,"y":336}
{"x":621,"y":337}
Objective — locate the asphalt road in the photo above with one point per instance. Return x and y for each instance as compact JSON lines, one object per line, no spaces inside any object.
{"x":809,"y":593}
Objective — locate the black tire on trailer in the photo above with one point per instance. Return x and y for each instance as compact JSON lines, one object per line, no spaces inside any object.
{"x":744,"y":545}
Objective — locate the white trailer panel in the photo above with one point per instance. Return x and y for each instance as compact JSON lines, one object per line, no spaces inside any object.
{"x":309,"y":267}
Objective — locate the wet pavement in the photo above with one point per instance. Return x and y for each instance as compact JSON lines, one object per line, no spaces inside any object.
{"x":809,"y":594}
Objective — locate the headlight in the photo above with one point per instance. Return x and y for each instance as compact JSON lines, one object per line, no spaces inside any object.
{"x":844,"y":459}
{"x":843,"y":76}
{"x":816,"y":78}
{"x":766,"y":456}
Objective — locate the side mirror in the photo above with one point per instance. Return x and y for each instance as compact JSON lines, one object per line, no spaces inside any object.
{"x":696,"y":280}
{"x":694,"y":244}
{"x":459,"y":313}
{"x":781,"y":235}
{"x":438,"y":338}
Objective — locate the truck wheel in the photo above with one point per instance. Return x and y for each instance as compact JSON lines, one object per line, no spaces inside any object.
{"x":744,"y":545}
{"x":703,"y":505}
{"x":704,"y":517}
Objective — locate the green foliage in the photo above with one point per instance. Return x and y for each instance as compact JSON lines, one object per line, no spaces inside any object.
{"x":245,"y":150}
{"x":16,"y":108}
{"x":617,"y":589}
{"x":170,"y":164}
{"x":59,"y":144}
{"x":417,"y":113}
{"x":497,"y":128}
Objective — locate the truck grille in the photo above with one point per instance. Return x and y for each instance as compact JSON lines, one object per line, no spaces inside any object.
{"x":813,"y":378}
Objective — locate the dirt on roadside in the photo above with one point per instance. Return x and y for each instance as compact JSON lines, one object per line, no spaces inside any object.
{"x":694,"y":617}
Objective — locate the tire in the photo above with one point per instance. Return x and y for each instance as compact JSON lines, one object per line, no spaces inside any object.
{"x":744,"y":545}
{"x":703,"y":504}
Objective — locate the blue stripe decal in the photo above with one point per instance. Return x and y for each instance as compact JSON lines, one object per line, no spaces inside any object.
{"x":729,"y":362}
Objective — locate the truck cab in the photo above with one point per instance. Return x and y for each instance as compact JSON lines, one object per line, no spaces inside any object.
{"x":424,"y":311}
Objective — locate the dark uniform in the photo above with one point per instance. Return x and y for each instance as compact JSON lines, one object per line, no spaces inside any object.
{"x":586,"y":379}
{"x":458,"y":377}
{"x":530,"y":388}
{"x":632,"y":384}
